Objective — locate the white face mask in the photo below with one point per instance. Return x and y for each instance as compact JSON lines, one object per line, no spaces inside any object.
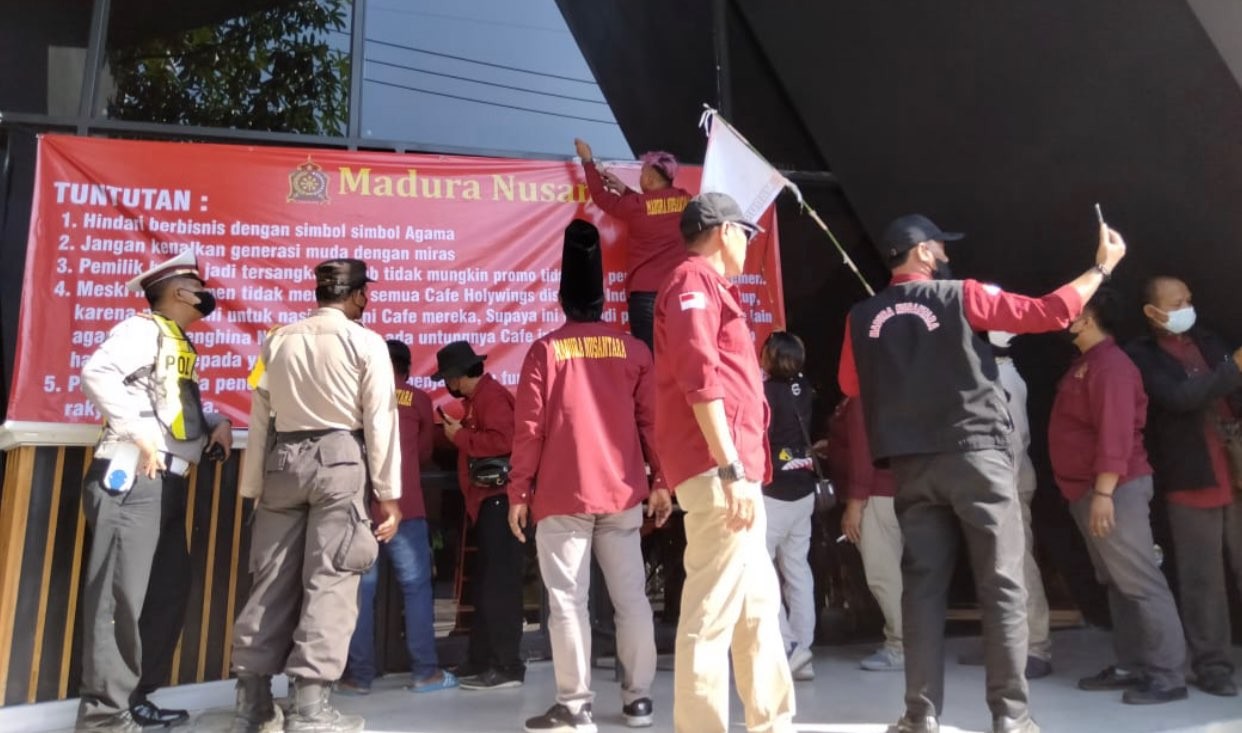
{"x":1180,"y":320}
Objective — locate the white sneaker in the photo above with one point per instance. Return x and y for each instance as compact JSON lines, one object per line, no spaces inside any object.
{"x":799,"y":660}
{"x":805,"y":673}
{"x":885,"y":660}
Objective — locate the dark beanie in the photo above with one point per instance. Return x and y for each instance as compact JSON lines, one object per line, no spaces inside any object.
{"x":582,"y":266}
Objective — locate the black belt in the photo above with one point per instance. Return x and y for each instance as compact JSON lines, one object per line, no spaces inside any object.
{"x":294,"y":436}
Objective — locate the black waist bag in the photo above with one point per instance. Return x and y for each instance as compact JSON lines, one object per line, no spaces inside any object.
{"x":491,"y":472}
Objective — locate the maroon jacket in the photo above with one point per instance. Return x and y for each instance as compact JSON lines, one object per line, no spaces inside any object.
{"x":486,"y":432}
{"x":584,"y":419}
{"x":851,"y":457}
{"x":1097,"y":421}
{"x":706,"y":353}
{"x":417,"y":436}
{"x":654,"y":246}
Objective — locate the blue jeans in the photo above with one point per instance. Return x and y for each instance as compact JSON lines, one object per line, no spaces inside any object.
{"x":409,"y":553}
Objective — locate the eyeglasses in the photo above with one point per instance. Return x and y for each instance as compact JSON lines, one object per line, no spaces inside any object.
{"x":748,"y":231}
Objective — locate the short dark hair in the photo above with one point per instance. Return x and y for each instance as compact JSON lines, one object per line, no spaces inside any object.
{"x":331,"y":294}
{"x":158,"y":290}
{"x":583,"y":314}
{"x":1108,"y":309}
{"x":699,"y":237}
{"x":399,"y":354}
{"x":475,"y":371}
{"x":786,"y":354}
{"x":899,"y":259}
{"x":1153,"y":284}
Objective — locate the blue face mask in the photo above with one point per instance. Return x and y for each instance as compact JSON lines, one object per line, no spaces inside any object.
{"x":1180,"y":320}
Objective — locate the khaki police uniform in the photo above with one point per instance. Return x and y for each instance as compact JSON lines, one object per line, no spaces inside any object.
{"x":323,"y":418}
{"x":143,"y":381}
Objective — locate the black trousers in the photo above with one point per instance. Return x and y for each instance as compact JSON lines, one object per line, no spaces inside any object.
{"x":642,"y":317}
{"x":137,"y":588}
{"x":937,"y":494}
{"x":499,"y":570}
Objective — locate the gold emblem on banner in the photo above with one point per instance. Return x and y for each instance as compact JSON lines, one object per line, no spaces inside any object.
{"x":308,"y":184}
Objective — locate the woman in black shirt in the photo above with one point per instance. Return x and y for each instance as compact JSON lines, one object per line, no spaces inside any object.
{"x":789,"y":500}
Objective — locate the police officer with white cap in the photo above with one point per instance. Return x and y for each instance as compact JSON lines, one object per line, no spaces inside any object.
{"x":143,"y":381}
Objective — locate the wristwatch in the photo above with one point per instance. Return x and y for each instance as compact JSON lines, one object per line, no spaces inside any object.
{"x":733,"y":472}
{"x":1104,"y":273}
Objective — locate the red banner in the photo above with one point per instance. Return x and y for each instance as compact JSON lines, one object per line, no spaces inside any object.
{"x":462,"y":248}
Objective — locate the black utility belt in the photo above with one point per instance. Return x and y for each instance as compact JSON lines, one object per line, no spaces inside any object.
{"x":293,"y":436}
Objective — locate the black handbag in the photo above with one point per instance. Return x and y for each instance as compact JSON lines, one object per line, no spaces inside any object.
{"x":825,"y":491}
{"x":491,"y":472}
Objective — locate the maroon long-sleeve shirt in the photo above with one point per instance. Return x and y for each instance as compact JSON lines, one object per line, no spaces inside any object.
{"x":706,"y":354}
{"x":654,"y":245}
{"x":584,"y":419}
{"x":864,"y":480}
{"x":486,"y":431}
{"x":414,"y":416}
{"x":1097,"y":421}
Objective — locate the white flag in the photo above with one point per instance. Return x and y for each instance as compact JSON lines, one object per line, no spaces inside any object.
{"x":732,"y":166}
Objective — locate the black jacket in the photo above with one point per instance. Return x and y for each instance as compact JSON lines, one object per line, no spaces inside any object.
{"x":1179,"y":405}
{"x":790,"y":403}
{"x":929,"y":383}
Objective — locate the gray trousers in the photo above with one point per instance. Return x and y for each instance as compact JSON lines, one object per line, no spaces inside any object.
{"x":137,"y":587}
{"x":789,"y":545}
{"x":1038,"y":618}
{"x":1203,"y":538}
{"x":937,"y":494}
{"x":310,"y":544}
{"x":1147,"y":635}
{"x":565,"y":544}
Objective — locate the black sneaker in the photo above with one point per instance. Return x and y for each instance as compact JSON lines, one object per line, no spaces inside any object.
{"x":1149,"y":694}
{"x":638,"y":713}
{"x":1220,"y":684}
{"x":1037,"y":668}
{"x":1112,"y":678}
{"x":492,"y":679}
{"x":558,"y":719}
{"x":147,"y":715}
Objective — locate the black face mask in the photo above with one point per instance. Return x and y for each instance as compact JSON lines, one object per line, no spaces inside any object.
{"x":206,"y":302}
{"x":942,"y":271}
{"x":456,"y":393}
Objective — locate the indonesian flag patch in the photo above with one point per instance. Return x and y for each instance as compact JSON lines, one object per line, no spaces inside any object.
{"x":694,"y":299}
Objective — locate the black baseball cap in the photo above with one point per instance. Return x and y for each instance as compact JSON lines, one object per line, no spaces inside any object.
{"x":712,"y":209}
{"x":345,"y":274}
{"x":906,"y":232}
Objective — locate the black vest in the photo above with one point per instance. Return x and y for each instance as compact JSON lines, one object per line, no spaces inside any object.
{"x":929,"y":383}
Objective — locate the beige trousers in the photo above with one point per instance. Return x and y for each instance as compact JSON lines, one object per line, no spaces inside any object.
{"x":565,"y":543}
{"x":730,"y":603}
{"x":880,"y":546}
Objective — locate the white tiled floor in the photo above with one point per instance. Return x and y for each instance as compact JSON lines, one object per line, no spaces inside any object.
{"x":842,"y":699}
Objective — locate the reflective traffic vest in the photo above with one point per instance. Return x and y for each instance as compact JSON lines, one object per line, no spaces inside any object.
{"x":173,"y":388}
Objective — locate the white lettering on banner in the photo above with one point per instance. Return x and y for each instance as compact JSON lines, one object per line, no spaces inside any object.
{"x":98,"y":194}
{"x":114,"y":246}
